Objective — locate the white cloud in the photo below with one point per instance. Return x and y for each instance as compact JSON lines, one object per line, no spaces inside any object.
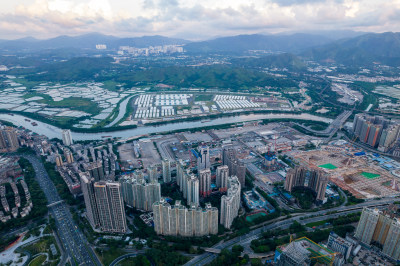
{"x":191,"y":18}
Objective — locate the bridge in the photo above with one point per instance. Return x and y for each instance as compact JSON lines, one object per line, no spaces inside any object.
{"x":251,"y":255}
{"x":55,"y":203}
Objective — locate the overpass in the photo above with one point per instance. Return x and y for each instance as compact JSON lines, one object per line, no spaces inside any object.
{"x":55,"y":203}
{"x":251,"y":255}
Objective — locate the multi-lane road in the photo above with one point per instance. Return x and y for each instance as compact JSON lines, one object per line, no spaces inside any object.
{"x":73,"y":241}
{"x":303,"y":219}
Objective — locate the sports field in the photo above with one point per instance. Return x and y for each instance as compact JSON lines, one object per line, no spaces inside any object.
{"x":369,"y":175}
{"x":328,"y":166}
{"x":251,"y":218}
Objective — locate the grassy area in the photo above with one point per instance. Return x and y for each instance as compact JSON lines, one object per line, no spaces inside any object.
{"x":111,"y":85}
{"x":43,"y":246}
{"x":133,"y":261}
{"x":316,"y":223}
{"x":369,"y":175}
{"x":38,"y":260}
{"x":74,"y":103}
{"x":251,"y":218}
{"x":328,"y":166}
{"x":203,"y":97}
{"x":108,"y":256}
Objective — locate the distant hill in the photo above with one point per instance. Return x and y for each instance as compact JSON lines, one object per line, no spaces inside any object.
{"x":285,"y":60}
{"x":87,"y":41}
{"x":274,"y":43}
{"x":362,"y":50}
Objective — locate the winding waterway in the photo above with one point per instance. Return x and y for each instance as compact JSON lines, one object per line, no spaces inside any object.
{"x":55,"y":132}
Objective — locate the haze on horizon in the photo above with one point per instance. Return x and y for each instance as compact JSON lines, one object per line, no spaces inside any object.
{"x":192,"y":19}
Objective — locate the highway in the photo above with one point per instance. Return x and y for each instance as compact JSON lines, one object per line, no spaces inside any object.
{"x":303,"y":219}
{"x":74,"y":242}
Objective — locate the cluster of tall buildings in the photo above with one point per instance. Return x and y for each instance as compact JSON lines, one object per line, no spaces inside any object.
{"x":139,"y":194}
{"x":230,"y":203}
{"x":188,"y":183}
{"x":382,"y":227}
{"x":302,"y":176}
{"x":376,"y":131}
{"x":177,"y":220}
{"x":104,"y":204}
{"x":236,"y":167}
{"x":8,"y":139}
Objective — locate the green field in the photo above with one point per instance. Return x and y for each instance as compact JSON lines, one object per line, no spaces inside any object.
{"x":38,"y":260}
{"x":203,"y":97}
{"x":369,"y":175}
{"x":328,"y":166}
{"x":251,"y":218}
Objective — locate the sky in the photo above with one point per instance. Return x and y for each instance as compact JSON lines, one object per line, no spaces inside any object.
{"x":193,"y":20}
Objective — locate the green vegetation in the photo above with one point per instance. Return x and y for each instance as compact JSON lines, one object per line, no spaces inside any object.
{"x":231,"y":257}
{"x":109,"y":255}
{"x":328,"y":166}
{"x":304,"y":197}
{"x":74,"y":103}
{"x":60,"y":184}
{"x":38,"y":199}
{"x":352,"y":200}
{"x":203,"y":97}
{"x":139,"y":260}
{"x":162,"y":254}
{"x":370,"y":175}
{"x":37,"y":261}
{"x":43,"y":246}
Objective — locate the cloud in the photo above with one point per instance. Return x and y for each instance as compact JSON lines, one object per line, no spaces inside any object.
{"x":191,"y":18}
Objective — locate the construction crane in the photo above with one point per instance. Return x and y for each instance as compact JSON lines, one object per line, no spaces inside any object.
{"x":327,"y":255}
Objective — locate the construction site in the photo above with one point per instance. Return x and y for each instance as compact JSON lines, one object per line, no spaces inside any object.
{"x":353,"y":170}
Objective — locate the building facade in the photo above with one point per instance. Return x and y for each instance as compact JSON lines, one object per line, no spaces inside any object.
{"x":203,"y":162}
{"x":382,"y":227}
{"x":222,"y":175}
{"x":230,"y":203}
{"x":314,"y":179}
{"x":67,"y":137}
{"x":236,"y":167}
{"x":177,"y":220}
{"x":205,"y":182}
{"x":166,"y":170}
{"x":8,"y":139}
{"x":139,"y":194}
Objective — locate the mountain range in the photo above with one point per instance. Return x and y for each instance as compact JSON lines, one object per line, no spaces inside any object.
{"x":358,"y":50}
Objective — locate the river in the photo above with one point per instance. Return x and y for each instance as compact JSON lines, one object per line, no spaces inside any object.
{"x":121,"y":111}
{"x":55,"y":132}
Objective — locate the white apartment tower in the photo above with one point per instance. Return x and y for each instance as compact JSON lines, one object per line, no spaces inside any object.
{"x":203,"y":162}
{"x":222,"y":177}
{"x":166,"y":169}
{"x":230,"y":203}
{"x":205,"y":182}
{"x":67,"y":137}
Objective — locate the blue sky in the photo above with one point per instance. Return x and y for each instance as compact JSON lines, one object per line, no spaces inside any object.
{"x":193,"y":19}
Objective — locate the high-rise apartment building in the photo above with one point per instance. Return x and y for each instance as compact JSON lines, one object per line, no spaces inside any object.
{"x":59,"y":160}
{"x":177,"y":220}
{"x":230,"y":203}
{"x":205,"y":182}
{"x":314,"y":179}
{"x":376,"y":131}
{"x":203,"y":162}
{"x":87,"y":186}
{"x":382,"y":227}
{"x":139,"y":194}
{"x":192,"y":184}
{"x":110,"y":206}
{"x":67,"y":137}
{"x":222,"y":178}
{"x":236,"y":167}
{"x":166,"y":170}
{"x":68,"y":156}
{"x":8,"y":139}
{"x":153,"y":174}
